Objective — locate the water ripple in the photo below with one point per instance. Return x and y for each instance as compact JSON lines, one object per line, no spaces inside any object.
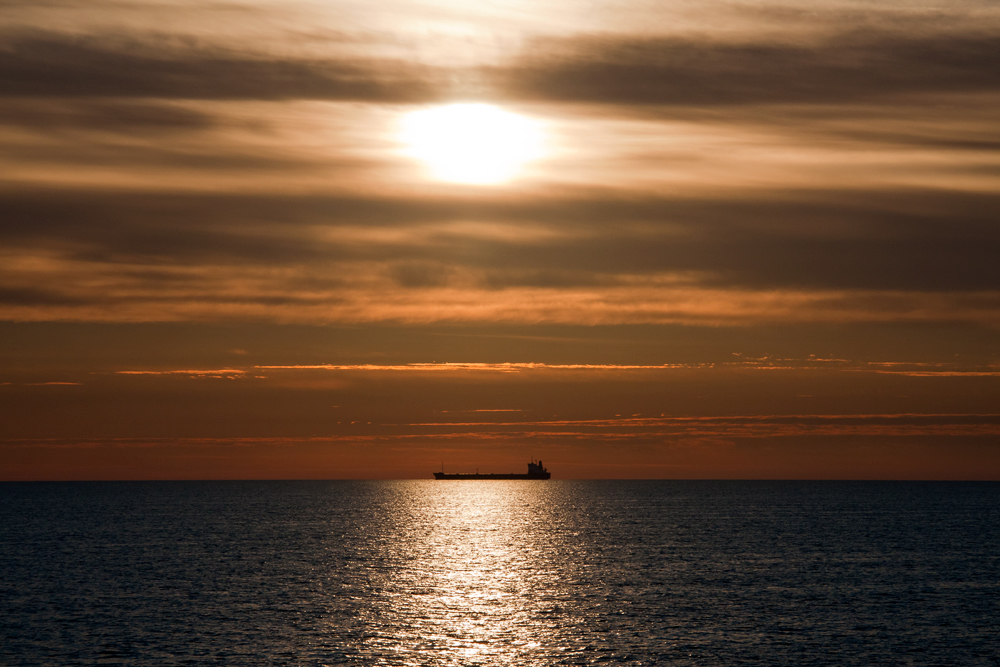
{"x":499,"y":573}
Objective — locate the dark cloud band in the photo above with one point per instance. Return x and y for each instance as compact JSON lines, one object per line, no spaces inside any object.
{"x":902,"y":240}
{"x":849,"y":66}
{"x":90,"y":66}
{"x":681,"y":71}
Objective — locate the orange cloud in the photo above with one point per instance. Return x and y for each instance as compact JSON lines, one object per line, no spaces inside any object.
{"x":220,"y":373}
{"x":48,"y":384}
{"x":506,"y":367}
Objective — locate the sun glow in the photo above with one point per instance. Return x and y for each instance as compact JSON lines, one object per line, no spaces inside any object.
{"x":478,"y":144}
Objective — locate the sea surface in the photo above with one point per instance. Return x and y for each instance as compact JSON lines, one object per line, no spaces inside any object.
{"x":500,"y":573}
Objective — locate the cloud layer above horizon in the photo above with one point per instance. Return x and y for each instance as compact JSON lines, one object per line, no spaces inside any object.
{"x":733,"y":164}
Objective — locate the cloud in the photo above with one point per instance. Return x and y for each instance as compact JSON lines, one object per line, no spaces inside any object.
{"x":506,"y":367}
{"x":878,"y":243}
{"x":681,"y":431}
{"x":911,"y":369}
{"x":849,"y":66}
{"x":122,"y":116}
{"x":837,"y":174}
{"x":50,"y":64}
{"x":930,"y":374}
{"x":145,"y":257}
{"x":30,"y":296}
{"x":116,"y":292}
{"x":853,"y":61}
{"x":217,"y":373}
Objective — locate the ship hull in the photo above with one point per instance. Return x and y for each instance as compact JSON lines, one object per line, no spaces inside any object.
{"x":441,"y":475}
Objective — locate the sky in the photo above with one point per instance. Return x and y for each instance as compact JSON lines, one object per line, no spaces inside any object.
{"x":634,"y":239}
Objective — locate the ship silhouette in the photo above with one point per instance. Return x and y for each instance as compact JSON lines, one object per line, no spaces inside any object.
{"x":535,"y":471}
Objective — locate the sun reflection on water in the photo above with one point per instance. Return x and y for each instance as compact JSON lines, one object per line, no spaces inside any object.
{"x":467,"y":575}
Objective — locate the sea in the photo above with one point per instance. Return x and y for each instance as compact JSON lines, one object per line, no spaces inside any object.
{"x":500,"y":573}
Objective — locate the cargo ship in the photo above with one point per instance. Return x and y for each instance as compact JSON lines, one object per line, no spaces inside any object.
{"x":535,"y":471}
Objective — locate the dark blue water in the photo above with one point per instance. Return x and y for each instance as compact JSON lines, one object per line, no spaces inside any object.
{"x":500,"y":573}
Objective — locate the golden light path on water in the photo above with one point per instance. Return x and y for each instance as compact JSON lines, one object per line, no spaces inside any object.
{"x":469,"y":573}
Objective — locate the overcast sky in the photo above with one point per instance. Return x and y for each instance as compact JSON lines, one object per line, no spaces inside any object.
{"x":220,"y":258}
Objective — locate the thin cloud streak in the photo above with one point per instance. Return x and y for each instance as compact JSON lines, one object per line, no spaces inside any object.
{"x":666,"y":431}
{"x":49,"y":384}
{"x":916,"y":369}
{"x":714,"y":424}
{"x":510,"y":367}
{"x":238,"y":301}
{"x":224,"y":372}
{"x":931,"y":374}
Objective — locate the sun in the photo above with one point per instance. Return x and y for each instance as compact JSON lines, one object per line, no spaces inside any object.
{"x":473,"y":143}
